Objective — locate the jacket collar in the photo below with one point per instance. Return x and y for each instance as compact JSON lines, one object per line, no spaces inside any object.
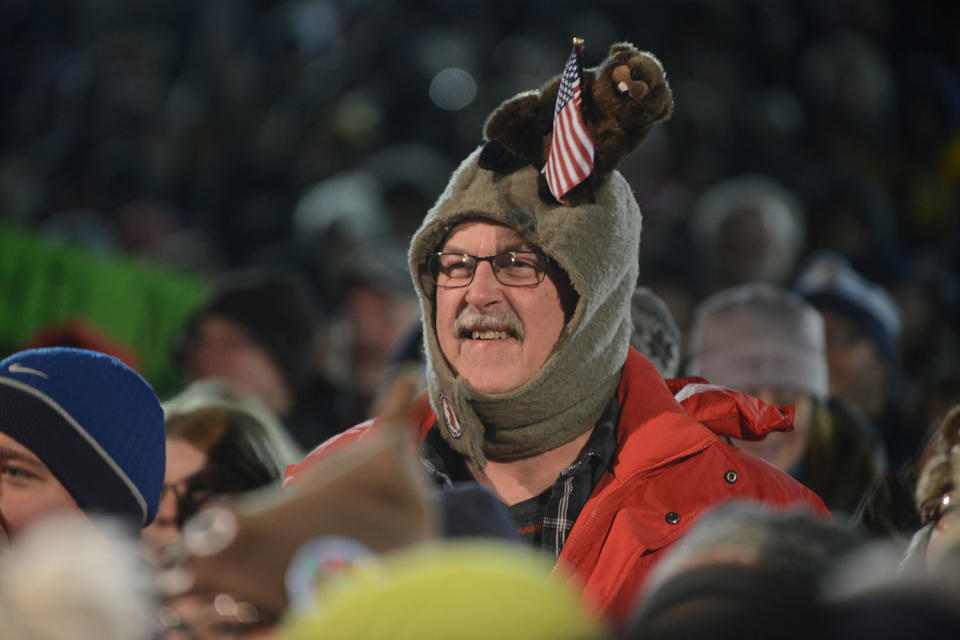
{"x":654,"y":429}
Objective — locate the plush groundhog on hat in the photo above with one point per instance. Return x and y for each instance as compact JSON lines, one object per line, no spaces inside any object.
{"x":622,"y":98}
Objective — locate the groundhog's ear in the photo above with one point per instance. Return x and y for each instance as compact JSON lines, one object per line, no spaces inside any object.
{"x":513,"y":126}
{"x":619,"y":47}
{"x":496,"y":157}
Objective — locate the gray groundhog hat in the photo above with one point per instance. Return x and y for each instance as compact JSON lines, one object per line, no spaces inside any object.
{"x":596,"y":242}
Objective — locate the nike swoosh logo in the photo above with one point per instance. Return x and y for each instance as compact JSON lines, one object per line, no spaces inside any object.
{"x":16,"y":367}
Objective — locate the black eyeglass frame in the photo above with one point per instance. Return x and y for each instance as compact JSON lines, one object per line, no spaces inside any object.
{"x":433,"y":267}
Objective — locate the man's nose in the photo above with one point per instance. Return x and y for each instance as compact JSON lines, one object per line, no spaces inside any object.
{"x":485,"y":287}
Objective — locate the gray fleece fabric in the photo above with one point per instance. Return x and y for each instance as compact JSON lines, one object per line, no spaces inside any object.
{"x":597,"y":245}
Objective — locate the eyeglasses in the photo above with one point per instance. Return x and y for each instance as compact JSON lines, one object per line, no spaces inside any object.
{"x":512,"y":268}
{"x":935,"y":508}
{"x":197,"y":489}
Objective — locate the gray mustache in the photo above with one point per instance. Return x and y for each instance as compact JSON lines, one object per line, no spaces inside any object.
{"x":502,"y":319}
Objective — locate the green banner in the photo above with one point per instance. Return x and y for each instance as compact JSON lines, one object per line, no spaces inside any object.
{"x":141,"y":306}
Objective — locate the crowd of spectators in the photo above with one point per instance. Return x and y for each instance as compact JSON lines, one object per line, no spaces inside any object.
{"x":800,"y":207}
{"x":216,"y":135}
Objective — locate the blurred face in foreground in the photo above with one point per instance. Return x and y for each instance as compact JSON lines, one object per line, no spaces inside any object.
{"x":494,"y":335}
{"x":28,"y":490}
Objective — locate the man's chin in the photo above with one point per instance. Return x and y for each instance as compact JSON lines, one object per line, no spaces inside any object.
{"x":491,"y":380}
{"x":489,"y":366}
{"x":490,"y":386}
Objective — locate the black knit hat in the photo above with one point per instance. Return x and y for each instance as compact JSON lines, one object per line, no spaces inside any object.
{"x":276,"y":306}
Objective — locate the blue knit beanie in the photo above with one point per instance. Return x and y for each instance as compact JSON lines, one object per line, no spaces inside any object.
{"x":829,"y":283}
{"x":93,"y":421}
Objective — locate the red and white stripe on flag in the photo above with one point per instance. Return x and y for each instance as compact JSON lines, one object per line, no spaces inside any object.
{"x":571,"y":150}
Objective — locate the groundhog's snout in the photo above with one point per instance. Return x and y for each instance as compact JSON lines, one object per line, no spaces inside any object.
{"x":626,"y":83}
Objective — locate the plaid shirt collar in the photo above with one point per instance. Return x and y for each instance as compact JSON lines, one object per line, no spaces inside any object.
{"x":568,"y":494}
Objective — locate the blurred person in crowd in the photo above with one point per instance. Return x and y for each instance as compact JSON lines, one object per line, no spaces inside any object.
{"x":927,"y":292}
{"x":768,"y":342}
{"x":927,"y":169}
{"x":887,"y":510}
{"x":871,"y":594}
{"x":533,"y":388}
{"x":371,"y":498}
{"x":379,"y":309}
{"x":219,"y":442}
{"x":348,"y":206}
{"x":278,"y":549}
{"x":258,"y":329}
{"x":847,"y":83}
{"x":673,"y":278}
{"x":80,"y":334}
{"x":743,"y":571}
{"x":655,"y":334}
{"x":410,"y":175}
{"x":748,"y":228}
{"x":80,"y":432}
{"x":845,"y":213}
{"x":63,"y":579}
{"x":347,"y":223}
{"x":862,"y":326}
{"x":935,"y":492}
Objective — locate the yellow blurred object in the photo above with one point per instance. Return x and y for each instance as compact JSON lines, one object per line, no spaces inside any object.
{"x":458,"y":590}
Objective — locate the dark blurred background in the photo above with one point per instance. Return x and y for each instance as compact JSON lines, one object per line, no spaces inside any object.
{"x":192,"y":137}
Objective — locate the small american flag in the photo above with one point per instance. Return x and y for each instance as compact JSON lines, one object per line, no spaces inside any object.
{"x":571,"y":150}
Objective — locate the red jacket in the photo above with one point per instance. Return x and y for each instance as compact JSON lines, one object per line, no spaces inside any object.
{"x":669,"y":469}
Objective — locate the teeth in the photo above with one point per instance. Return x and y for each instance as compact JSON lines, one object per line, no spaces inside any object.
{"x":489,"y":335}
{"x":622,"y":87}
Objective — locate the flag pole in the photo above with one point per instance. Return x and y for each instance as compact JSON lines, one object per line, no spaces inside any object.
{"x":570,"y":159}
{"x":578,"y":45}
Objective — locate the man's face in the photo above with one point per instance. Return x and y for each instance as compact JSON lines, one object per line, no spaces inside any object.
{"x":504,"y":334}
{"x":28,"y":490}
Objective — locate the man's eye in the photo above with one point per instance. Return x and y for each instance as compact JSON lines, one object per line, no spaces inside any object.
{"x":13,"y":472}
{"x":455,"y":266}
{"x":518,"y":261}
{"x":456,"y":269}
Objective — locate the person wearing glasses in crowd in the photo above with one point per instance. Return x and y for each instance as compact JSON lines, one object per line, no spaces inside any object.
{"x":220,"y":441}
{"x":535,"y":393}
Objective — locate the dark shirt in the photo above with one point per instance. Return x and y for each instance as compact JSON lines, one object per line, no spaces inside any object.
{"x":528,"y":516}
{"x":545,"y":520}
